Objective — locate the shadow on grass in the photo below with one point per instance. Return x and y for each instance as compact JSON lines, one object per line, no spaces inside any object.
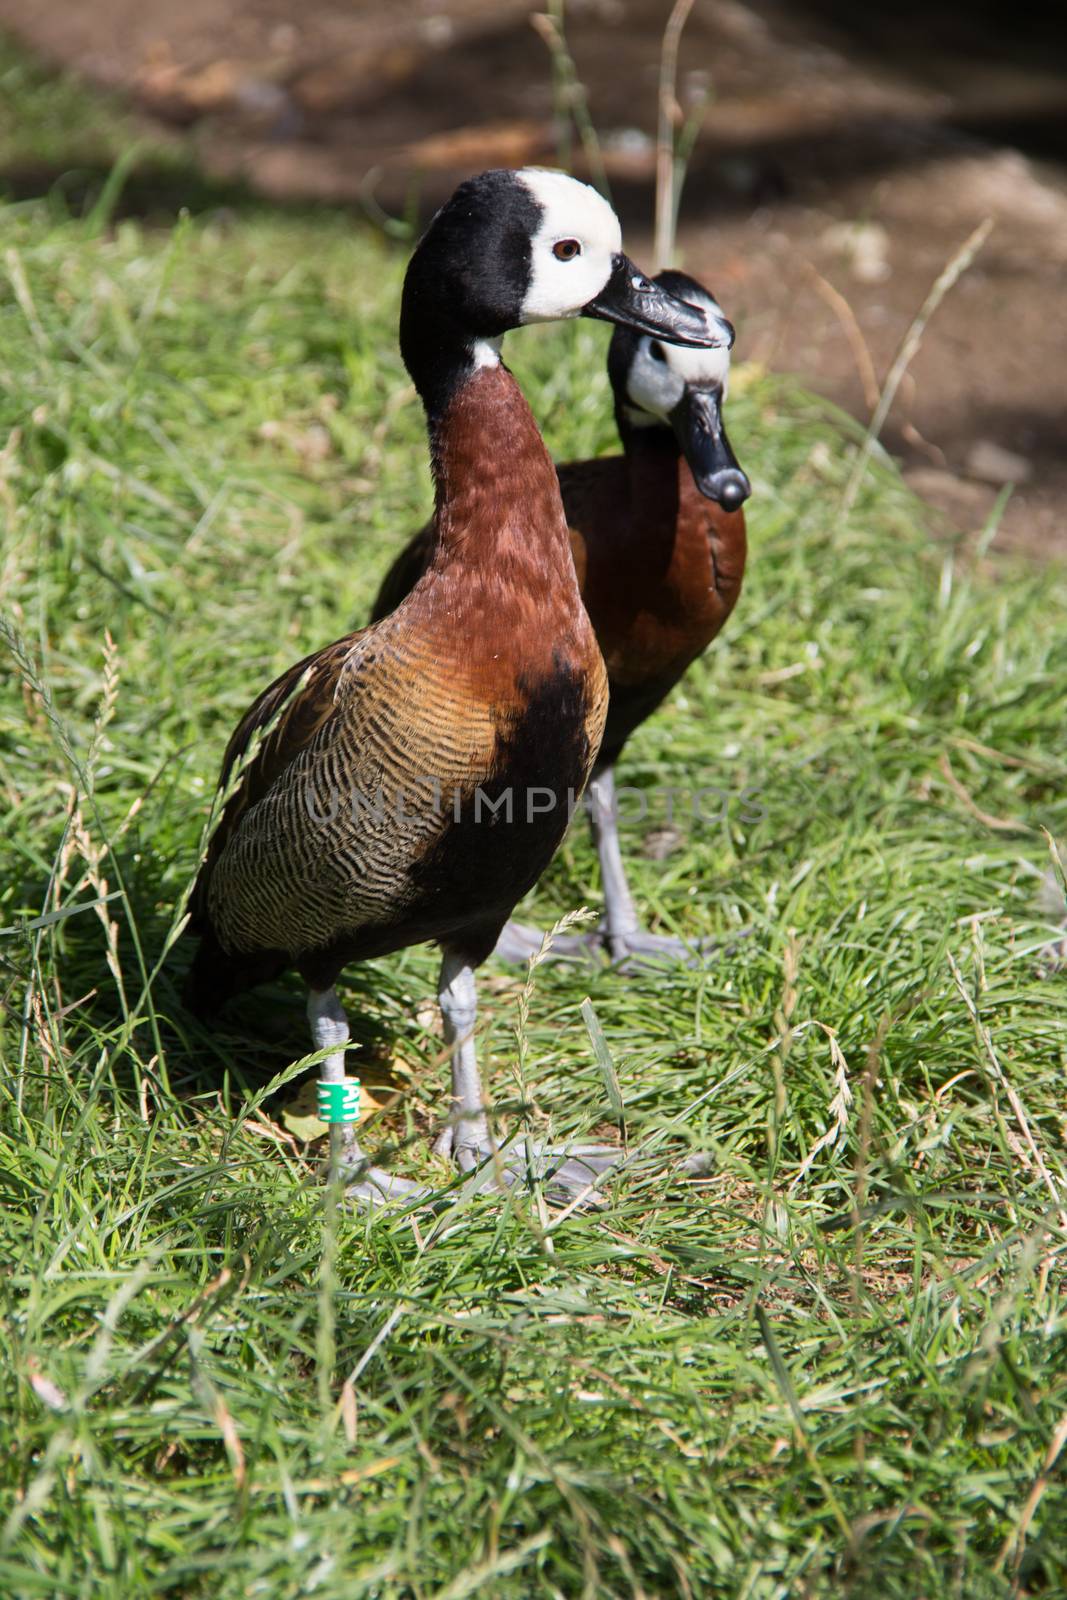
{"x":255,"y":1037}
{"x":149,"y":188}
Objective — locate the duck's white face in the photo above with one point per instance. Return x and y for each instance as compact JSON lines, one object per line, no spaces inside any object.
{"x":660,"y":373}
{"x":572,"y":254}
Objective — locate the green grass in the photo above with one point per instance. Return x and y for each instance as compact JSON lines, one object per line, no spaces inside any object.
{"x":834,"y":1368}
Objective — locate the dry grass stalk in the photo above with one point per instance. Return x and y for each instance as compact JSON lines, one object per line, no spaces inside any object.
{"x":570,"y":99}
{"x":840,"y":1106}
{"x":669,"y":117}
{"x":909,"y":347}
{"x":1016,"y":1540}
{"x":1000,"y":1078}
{"x":853,"y":333}
{"x":998,"y":824}
{"x":783,"y":1023}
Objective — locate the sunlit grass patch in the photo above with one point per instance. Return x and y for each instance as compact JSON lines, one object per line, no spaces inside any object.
{"x":209,"y":452}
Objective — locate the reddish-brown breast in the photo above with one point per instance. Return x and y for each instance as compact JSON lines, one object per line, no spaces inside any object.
{"x":499,"y":568}
{"x":660,"y":566}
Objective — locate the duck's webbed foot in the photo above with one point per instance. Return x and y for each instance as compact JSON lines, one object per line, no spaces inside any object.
{"x":630,"y":951}
{"x":373,"y":1187}
{"x":518,"y":942}
{"x":567,"y":1172}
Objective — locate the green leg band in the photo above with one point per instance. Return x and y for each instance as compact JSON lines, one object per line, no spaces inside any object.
{"x":339,"y":1102}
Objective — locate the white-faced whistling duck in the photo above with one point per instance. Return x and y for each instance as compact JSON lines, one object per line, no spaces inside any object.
{"x":412,"y":779}
{"x":658,"y":539}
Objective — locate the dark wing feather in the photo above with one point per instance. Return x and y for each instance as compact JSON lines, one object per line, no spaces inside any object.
{"x":289,"y":713}
{"x":404,"y":573}
{"x":581,"y":488}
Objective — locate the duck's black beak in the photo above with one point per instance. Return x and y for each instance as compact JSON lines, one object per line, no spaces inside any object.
{"x":698,"y":427}
{"x":634,"y":301}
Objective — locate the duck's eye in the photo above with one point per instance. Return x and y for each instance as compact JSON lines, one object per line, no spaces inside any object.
{"x":566,"y":249}
{"x":657,"y":352}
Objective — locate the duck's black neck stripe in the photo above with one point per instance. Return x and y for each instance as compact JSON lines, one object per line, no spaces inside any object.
{"x":655,"y":432}
{"x":439,"y":354}
{"x":466,"y":283}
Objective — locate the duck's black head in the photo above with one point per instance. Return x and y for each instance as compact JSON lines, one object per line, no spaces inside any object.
{"x":512,"y":247}
{"x":658,"y":384}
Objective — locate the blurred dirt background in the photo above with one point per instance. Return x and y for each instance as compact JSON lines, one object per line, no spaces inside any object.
{"x":846,"y":153}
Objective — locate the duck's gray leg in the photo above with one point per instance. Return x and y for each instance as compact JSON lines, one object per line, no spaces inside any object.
{"x":519,"y":941}
{"x":467,"y":1138}
{"x":620,"y":932}
{"x":329,"y":1031}
{"x":621,"y":921}
{"x":627,"y":941}
{"x":466,"y":1134}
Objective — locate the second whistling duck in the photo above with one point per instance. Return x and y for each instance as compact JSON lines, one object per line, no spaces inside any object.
{"x":398,"y":791}
{"x":658,"y":539}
